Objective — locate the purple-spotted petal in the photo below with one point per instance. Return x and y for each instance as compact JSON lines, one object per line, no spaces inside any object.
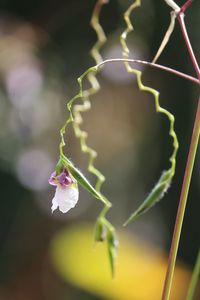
{"x":52,"y":179}
{"x":63,"y":178}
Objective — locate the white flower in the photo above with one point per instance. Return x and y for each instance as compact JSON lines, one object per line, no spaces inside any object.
{"x":65,"y":198}
{"x":66,"y":195}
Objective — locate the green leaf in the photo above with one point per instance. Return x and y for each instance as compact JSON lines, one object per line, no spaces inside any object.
{"x":113,"y":243}
{"x":156,"y":194}
{"x":59,"y":167}
{"x":83,"y":180}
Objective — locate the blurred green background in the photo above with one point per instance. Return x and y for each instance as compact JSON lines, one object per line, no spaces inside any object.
{"x":44,"y":47}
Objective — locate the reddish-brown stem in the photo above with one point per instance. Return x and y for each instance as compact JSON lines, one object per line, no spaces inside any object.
{"x":185,"y":6}
{"x":143,"y":62}
{"x":188,"y":44}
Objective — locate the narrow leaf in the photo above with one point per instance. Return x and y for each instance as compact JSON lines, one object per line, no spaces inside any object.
{"x":83,"y":180}
{"x":112,"y":250}
{"x":156,"y":194}
{"x":194,"y":279}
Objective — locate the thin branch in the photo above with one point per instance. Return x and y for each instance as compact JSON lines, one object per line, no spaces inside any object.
{"x":166,"y":36}
{"x":157,"y":66}
{"x":173,"y":5}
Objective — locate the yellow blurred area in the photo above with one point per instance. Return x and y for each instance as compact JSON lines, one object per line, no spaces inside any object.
{"x":140,"y":267}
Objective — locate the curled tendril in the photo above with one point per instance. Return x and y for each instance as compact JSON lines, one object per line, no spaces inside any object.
{"x":164,"y":182}
{"x":78,"y":109}
{"x":103,"y":229}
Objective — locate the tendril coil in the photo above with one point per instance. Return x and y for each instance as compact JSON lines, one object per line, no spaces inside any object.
{"x":164,"y":182}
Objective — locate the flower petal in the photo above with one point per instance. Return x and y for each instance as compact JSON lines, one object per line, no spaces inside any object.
{"x":52,"y":179}
{"x":66,"y":197}
{"x":63,"y":178}
{"x":54,"y":204}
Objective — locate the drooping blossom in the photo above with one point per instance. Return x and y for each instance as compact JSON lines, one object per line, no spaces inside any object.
{"x":66,"y":195}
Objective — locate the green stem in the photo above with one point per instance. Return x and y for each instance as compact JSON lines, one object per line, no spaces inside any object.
{"x":182,"y":205}
{"x":188,"y":170}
